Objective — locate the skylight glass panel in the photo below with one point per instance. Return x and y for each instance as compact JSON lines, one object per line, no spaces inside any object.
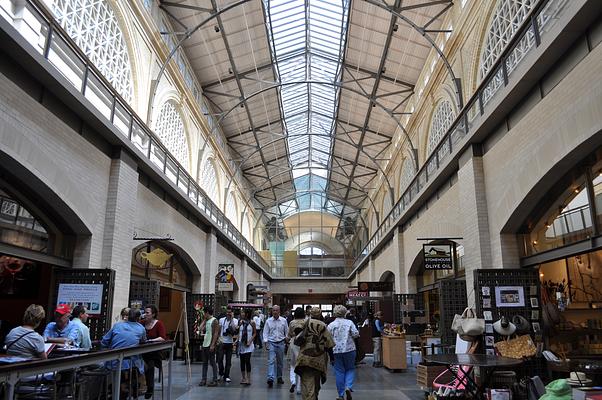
{"x":307,"y":38}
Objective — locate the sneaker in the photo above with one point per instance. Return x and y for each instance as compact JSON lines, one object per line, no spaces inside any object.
{"x":227,"y":380}
{"x":347,"y":394}
{"x":270,"y":384}
{"x":203,"y":383}
{"x":212,"y":383}
{"x":280,"y":381}
{"x":292,"y":389}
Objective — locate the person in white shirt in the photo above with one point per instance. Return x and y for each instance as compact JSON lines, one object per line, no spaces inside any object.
{"x":258,"y":327}
{"x":343,"y":332}
{"x":275,"y":334}
{"x":228,"y":329}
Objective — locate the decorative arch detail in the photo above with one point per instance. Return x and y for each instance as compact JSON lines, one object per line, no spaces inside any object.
{"x":209,"y":181}
{"x":443,"y":116}
{"x":170,"y":129}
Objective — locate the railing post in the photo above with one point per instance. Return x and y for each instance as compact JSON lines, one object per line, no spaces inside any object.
{"x":535,"y":27}
{"x":117,"y":378}
{"x":169,"y":363}
{"x":48,"y":40}
{"x":10,"y":389}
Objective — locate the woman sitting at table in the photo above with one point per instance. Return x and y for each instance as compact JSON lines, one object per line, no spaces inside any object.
{"x":126,"y":334}
{"x":155,"y":332}
{"x":24,"y":341}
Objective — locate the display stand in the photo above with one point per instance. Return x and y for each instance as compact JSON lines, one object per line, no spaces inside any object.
{"x":394,"y":352}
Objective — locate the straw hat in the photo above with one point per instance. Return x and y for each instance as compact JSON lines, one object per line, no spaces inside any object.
{"x":578,"y":378}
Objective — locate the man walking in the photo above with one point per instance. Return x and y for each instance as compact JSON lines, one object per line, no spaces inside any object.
{"x":275,"y":333}
{"x":228,"y":329}
{"x":259,"y":327}
{"x":377,"y":329}
{"x":210,"y":328}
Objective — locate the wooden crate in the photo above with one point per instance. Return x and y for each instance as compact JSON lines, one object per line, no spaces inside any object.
{"x":425,"y":374}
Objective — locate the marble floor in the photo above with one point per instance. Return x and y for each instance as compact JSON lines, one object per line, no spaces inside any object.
{"x":369,"y":382}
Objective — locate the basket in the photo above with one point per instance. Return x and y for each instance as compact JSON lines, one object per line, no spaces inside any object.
{"x":425,"y":374}
{"x":502,"y":379}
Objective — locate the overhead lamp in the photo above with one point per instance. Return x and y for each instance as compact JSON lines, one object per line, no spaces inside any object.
{"x":395,"y":27}
{"x":216,"y":28}
{"x":577,"y":190}
{"x":382,"y":71}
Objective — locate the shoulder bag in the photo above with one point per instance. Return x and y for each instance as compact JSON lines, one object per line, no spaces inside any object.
{"x":301,"y":337}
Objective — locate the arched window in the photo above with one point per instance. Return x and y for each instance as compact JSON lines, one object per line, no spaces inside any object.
{"x":407,"y":174}
{"x":312,"y":251}
{"x":246,"y":228}
{"x":231,"y":209}
{"x":170,"y":129}
{"x":93,"y":26}
{"x":442,"y":119}
{"x":387,"y":204}
{"x":373,"y":224}
{"x":507,"y":18}
{"x":208,"y":181}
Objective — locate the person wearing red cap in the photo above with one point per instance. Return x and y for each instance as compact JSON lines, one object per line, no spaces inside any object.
{"x":61,"y":331}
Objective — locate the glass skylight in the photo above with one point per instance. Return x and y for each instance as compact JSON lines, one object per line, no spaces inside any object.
{"x":308,"y":41}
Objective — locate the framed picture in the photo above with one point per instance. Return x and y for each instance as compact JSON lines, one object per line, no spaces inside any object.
{"x":536,"y":327}
{"x":485,"y":291}
{"x":488,"y":328}
{"x":509,"y":296}
{"x":534,"y":302}
{"x":535,"y":315}
{"x":533,"y":291}
{"x":490,"y":352}
{"x":489,"y":341}
{"x":487,"y":303}
{"x":487,"y":316}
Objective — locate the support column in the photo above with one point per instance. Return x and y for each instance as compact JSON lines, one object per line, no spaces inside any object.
{"x":474,"y":217}
{"x":242,"y":285}
{"x":210,"y":264}
{"x":401,"y":276}
{"x":371,"y":269}
{"x":119,"y":225}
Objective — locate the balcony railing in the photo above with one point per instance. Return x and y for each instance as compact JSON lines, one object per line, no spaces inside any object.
{"x":48,"y":38}
{"x":537,"y":25}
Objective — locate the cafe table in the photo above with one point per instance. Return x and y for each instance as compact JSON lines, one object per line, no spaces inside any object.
{"x":486,"y":362}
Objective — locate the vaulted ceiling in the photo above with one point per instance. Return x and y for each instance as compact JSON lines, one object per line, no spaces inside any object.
{"x":308,"y":93}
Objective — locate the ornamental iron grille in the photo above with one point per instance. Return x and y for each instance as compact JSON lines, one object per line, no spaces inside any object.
{"x":208,"y":181}
{"x":170,"y":129}
{"x":442,"y":119}
{"x":231,"y":212}
{"x":94,"y":28}
{"x":407,"y":174}
{"x":508,"y":17}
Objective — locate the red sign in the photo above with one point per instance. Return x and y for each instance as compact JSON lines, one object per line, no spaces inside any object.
{"x":354,"y":294}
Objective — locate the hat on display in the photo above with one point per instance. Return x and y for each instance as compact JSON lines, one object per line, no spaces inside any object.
{"x":558,"y":390}
{"x":63,"y":309}
{"x":521,"y":323}
{"x":504,"y":327}
{"x":578,"y":378}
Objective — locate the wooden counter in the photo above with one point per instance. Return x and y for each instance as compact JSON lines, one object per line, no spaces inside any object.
{"x":394,"y":352}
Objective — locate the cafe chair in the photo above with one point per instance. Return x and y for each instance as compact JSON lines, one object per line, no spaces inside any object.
{"x":461,"y":378}
{"x":93,"y":383}
{"x":37,"y":387}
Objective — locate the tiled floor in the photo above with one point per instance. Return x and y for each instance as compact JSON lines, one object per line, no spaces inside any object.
{"x":370,"y":383}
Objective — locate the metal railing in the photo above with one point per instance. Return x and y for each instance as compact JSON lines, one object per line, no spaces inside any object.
{"x":537,"y":25}
{"x":50,"y":40}
{"x":11,"y":374}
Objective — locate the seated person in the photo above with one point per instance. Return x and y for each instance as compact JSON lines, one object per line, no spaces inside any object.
{"x":61,"y":330}
{"x":80,"y":316}
{"x":24,"y":341}
{"x":126,"y":334}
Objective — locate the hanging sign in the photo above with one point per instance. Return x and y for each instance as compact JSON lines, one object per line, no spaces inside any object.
{"x":225,"y":278}
{"x":437,"y":256}
{"x":87,"y":295}
{"x":375,"y":286}
{"x":355,"y":294}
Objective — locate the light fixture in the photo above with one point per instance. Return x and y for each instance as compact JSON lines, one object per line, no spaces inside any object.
{"x":216,"y":28}
{"x":541,"y":274}
{"x":577,"y":190}
{"x":534,"y":242}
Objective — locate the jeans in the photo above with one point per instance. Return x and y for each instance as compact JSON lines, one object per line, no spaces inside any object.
{"x":225,"y":350}
{"x":295,"y":379}
{"x":275,"y":360}
{"x":258,"y":338}
{"x":344,"y":371}
{"x":377,"y":342}
{"x":209,"y":358}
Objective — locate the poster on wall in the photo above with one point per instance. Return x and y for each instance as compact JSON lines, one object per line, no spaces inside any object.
{"x":437,"y":256}
{"x":509,"y":296}
{"x":225,"y":278}
{"x":87,"y":295}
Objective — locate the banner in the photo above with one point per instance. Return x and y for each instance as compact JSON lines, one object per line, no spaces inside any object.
{"x":437,"y":256}
{"x":87,"y":295}
{"x":225,"y":278}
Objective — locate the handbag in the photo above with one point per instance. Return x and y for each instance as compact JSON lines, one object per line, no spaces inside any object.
{"x":522,"y":324}
{"x":468,"y":325}
{"x":300,"y":338}
{"x":519,"y":347}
